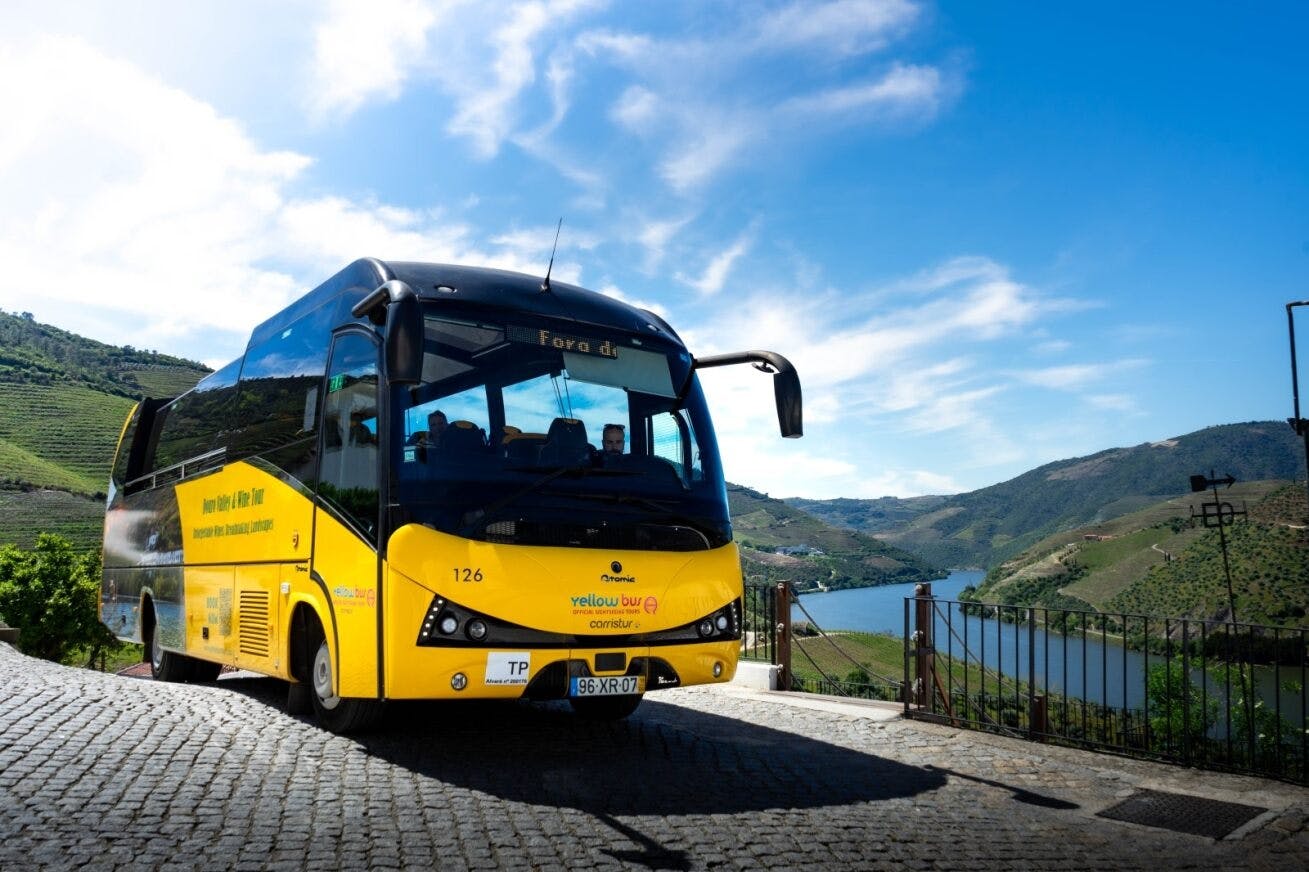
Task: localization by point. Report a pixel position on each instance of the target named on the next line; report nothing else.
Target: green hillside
(65, 399)
(988, 526)
(828, 557)
(1157, 562)
(868, 516)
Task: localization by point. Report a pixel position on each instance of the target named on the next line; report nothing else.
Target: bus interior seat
(523, 449)
(463, 437)
(565, 443)
(418, 437)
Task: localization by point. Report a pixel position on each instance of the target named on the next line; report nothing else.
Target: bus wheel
(203, 670)
(338, 714)
(605, 708)
(165, 665)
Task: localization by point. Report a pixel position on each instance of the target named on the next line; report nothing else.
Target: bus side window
(672, 438)
(348, 471)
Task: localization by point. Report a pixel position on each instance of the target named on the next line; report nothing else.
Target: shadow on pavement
(663, 760)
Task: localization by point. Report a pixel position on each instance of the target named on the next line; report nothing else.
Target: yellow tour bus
(424, 481)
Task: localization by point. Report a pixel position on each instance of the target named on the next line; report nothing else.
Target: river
(1097, 669)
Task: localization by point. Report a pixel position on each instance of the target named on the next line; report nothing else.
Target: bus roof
(479, 287)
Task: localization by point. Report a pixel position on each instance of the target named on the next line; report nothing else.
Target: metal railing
(1215, 694)
(766, 630)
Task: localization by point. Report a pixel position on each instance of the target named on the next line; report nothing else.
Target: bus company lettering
(355, 595)
(612, 624)
(596, 604)
(623, 579)
(236, 500)
(242, 528)
(595, 601)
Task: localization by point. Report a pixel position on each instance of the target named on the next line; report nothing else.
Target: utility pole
(1221, 515)
(1298, 424)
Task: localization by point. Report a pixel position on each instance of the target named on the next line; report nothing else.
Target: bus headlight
(705, 627)
(476, 629)
(449, 624)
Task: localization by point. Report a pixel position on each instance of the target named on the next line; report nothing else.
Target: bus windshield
(548, 435)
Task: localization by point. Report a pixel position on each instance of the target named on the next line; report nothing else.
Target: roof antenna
(545, 283)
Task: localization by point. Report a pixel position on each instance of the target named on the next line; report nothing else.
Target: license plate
(618, 685)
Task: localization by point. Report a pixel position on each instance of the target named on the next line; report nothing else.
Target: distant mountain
(779, 543)
(65, 398)
(987, 526)
(868, 516)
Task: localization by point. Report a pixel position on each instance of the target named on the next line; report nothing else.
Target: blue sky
(990, 235)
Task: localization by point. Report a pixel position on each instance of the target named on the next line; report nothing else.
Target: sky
(988, 235)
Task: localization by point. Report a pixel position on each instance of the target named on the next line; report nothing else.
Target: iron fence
(1215, 694)
(759, 636)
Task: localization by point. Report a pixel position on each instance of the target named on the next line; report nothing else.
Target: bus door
(346, 515)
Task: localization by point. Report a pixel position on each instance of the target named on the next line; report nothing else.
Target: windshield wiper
(483, 514)
(663, 506)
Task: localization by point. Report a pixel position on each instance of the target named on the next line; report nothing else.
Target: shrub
(51, 593)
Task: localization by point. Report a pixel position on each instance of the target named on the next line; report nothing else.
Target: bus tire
(335, 713)
(604, 708)
(165, 665)
(204, 670)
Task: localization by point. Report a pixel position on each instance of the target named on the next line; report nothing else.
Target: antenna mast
(545, 283)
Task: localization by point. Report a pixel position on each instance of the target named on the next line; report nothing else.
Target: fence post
(783, 659)
(1033, 729)
(1037, 718)
(923, 637)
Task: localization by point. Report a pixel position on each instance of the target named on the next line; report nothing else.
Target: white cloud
(170, 227)
(1074, 376)
(715, 274)
(903, 91)
(655, 236)
(636, 109)
(1114, 402)
(365, 51)
(843, 27)
(706, 104)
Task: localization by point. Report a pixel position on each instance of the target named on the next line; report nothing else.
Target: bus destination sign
(562, 341)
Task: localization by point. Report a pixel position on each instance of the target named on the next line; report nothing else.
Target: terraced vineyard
(23, 515)
(65, 398)
(164, 381)
(59, 436)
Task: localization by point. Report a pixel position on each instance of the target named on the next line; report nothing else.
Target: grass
(125, 654)
(838, 653)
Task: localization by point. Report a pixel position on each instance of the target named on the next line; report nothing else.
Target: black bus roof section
(478, 287)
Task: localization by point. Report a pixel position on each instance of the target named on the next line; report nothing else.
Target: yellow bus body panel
(348, 568)
(555, 590)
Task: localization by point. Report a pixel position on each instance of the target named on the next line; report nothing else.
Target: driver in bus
(611, 439)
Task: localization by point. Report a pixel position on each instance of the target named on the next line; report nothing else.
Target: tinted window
(278, 400)
(198, 421)
(348, 473)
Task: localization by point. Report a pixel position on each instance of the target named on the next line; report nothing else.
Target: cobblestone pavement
(101, 771)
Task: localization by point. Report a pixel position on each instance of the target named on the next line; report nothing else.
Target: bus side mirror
(786, 384)
(396, 305)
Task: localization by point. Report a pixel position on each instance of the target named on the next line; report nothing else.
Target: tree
(1180, 714)
(51, 594)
